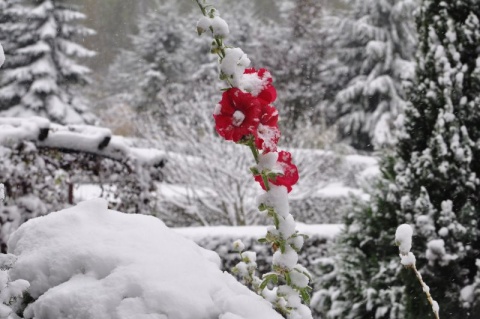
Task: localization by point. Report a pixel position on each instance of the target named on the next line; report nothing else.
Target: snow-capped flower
(268, 134)
(238, 245)
(259, 83)
(237, 115)
(288, 178)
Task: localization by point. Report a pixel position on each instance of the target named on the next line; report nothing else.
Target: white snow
(253, 83)
(83, 138)
(299, 279)
(435, 306)
(238, 118)
(327, 231)
(91, 262)
(238, 245)
(467, 294)
(10, 290)
(268, 161)
(287, 260)
(2, 55)
(403, 238)
(234, 64)
(2, 192)
(287, 226)
(277, 198)
(337, 189)
(408, 259)
(269, 134)
(218, 26)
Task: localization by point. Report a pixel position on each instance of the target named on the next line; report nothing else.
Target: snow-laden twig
(403, 239)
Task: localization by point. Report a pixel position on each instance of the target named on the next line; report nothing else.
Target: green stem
(204, 12)
(253, 149)
(265, 181)
(255, 153)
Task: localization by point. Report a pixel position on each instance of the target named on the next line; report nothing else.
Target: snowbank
(91, 262)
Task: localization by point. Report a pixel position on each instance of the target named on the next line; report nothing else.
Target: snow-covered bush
(43, 163)
(94, 263)
(219, 239)
(11, 292)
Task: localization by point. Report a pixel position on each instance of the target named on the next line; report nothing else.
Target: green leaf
(305, 296)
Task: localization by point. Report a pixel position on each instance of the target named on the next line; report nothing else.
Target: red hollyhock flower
(261, 85)
(268, 134)
(237, 115)
(289, 176)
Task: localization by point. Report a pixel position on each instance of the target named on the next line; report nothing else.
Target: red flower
(237, 115)
(289, 176)
(268, 134)
(261, 85)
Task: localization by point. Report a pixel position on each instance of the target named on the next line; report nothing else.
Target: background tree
(431, 182)
(373, 47)
(294, 49)
(43, 77)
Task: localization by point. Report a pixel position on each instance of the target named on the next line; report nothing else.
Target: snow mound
(90, 262)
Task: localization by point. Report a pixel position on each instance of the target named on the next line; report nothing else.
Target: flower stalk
(245, 115)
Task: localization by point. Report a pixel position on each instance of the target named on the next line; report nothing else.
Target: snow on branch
(76, 138)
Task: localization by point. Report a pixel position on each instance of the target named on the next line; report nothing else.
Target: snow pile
(91, 262)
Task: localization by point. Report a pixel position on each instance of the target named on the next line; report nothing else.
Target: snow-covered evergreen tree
(161, 73)
(373, 50)
(432, 182)
(43, 76)
(295, 51)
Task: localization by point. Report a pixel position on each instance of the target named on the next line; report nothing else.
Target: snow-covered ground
(326, 231)
(88, 262)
